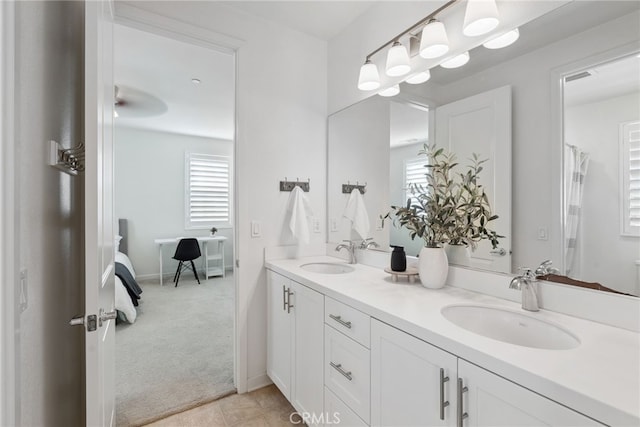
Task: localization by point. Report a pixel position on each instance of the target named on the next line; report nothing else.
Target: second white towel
(300, 209)
(356, 212)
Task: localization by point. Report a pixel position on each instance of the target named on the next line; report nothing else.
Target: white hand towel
(356, 212)
(300, 210)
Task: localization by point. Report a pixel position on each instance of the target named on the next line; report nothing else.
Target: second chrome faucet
(527, 284)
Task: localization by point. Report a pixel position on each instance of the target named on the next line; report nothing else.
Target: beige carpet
(178, 353)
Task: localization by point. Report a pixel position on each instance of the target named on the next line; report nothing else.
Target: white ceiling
(609, 80)
(321, 19)
(153, 74)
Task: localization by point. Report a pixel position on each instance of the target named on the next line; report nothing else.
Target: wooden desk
(208, 257)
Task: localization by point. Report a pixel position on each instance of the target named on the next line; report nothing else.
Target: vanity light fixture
(418, 78)
(503, 40)
(369, 78)
(390, 91)
(397, 60)
(434, 41)
(456, 61)
(195, 81)
(481, 16)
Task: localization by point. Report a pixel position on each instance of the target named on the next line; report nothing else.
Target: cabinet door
(494, 401)
(279, 333)
(405, 380)
(307, 387)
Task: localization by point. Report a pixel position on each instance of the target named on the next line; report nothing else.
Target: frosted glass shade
(456, 61)
(397, 60)
(434, 41)
(480, 17)
(390, 91)
(369, 78)
(418, 78)
(503, 40)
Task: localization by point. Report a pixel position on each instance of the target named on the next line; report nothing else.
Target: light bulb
(369, 78)
(434, 41)
(418, 78)
(503, 40)
(481, 16)
(456, 61)
(390, 91)
(397, 60)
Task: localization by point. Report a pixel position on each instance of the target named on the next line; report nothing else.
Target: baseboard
(258, 382)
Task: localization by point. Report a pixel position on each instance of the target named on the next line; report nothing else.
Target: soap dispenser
(398, 259)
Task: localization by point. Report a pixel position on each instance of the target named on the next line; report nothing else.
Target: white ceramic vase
(433, 267)
(458, 255)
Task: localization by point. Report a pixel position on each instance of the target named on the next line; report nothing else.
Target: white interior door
(481, 124)
(99, 317)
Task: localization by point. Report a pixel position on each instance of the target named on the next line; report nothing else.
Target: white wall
(282, 111)
(359, 153)
(530, 78)
(49, 105)
(606, 256)
(150, 192)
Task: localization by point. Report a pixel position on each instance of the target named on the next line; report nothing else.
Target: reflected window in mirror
(602, 174)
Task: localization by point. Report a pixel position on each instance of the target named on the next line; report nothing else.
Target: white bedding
(123, 300)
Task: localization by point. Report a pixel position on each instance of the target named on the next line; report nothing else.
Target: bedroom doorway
(174, 169)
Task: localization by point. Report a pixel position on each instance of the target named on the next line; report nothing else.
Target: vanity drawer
(347, 371)
(338, 413)
(351, 322)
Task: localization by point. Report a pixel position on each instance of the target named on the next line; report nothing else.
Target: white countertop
(600, 378)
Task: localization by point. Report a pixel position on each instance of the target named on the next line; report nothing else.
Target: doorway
(173, 178)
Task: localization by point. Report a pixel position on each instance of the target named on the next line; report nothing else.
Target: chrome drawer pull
(339, 320)
(338, 368)
(443, 403)
(289, 305)
(284, 298)
(461, 414)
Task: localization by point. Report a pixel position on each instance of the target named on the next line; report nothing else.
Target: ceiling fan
(134, 103)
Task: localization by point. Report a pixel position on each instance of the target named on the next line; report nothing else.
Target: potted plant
(213, 231)
(452, 207)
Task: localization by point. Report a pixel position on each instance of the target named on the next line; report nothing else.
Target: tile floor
(265, 407)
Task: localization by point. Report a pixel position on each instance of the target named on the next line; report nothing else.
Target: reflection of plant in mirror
(446, 209)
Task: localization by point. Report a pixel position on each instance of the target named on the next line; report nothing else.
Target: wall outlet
(334, 225)
(256, 229)
(316, 225)
(543, 233)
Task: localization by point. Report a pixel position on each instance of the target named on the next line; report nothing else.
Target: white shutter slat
(209, 189)
(630, 139)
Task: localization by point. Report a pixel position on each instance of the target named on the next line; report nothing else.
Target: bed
(127, 290)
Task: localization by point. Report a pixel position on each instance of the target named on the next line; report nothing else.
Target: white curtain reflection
(575, 168)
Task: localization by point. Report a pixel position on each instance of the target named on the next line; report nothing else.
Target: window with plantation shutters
(208, 190)
(414, 173)
(630, 167)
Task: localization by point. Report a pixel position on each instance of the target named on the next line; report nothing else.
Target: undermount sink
(510, 327)
(327, 267)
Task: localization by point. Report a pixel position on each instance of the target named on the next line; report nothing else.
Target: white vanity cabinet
(295, 342)
(416, 384)
(490, 400)
(412, 383)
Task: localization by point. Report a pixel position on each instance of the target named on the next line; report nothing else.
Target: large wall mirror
(374, 141)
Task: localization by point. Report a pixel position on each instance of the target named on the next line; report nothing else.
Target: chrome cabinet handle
(338, 367)
(339, 320)
(461, 414)
(443, 403)
(289, 305)
(284, 298)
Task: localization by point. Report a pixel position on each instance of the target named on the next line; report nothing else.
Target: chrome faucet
(544, 269)
(368, 243)
(527, 283)
(350, 246)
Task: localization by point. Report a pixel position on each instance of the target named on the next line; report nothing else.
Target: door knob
(499, 252)
(107, 315)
